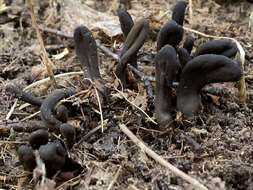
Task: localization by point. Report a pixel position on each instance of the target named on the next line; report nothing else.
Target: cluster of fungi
(212, 62)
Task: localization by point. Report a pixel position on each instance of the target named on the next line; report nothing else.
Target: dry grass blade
(242, 91)
(45, 57)
(196, 184)
(148, 117)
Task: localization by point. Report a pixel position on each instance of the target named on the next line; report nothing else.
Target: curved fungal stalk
(167, 67)
(171, 33)
(200, 71)
(26, 157)
(48, 106)
(178, 12)
(69, 134)
(219, 47)
(133, 43)
(189, 43)
(38, 138)
(184, 56)
(86, 51)
(22, 95)
(126, 22)
(54, 155)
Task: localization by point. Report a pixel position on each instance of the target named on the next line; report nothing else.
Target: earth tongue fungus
(171, 33)
(53, 155)
(167, 67)
(220, 47)
(200, 71)
(178, 12)
(86, 51)
(134, 41)
(38, 138)
(26, 157)
(126, 22)
(47, 109)
(189, 43)
(69, 134)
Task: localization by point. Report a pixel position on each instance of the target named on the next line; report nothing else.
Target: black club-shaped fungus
(171, 33)
(200, 71)
(133, 43)
(26, 157)
(167, 67)
(48, 106)
(219, 47)
(126, 22)
(69, 134)
(178, 12)
(86, 51)
(38, 138)
(53, 155)
(189, 43)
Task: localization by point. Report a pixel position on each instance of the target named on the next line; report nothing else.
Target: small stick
(114, 178)
(160, 160)
(190, 13)
(100, 108)
(45, 57)
(39, 82)
(122, 94)
(8, 116)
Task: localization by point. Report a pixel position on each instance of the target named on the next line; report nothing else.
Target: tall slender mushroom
(184, 56)
(178, 12)
(171, 33)
(219, 47)
(200, 71)
(133, 43)
(126, 22)
(167, 67)
(189, 43)
(86, 51)
(48, 106)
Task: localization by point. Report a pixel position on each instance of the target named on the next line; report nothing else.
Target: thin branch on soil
(242, 91)
(45, 57)
(190, 13)
(114, 178)
(42, 81)
(148, 117)
(8, 116)
(100, 108)
(160, 160)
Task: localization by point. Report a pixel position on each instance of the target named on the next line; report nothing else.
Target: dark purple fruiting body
(133, 43)
(22, 95)
(200, 71)
(171, 33)
(86, 51)
(126, 22)
(189, 43)
(167, 67)
(219, 47)
(62, 113)
(184, 56)
(178, 12)
(53, 155)
(69, 134)
(26, 157)
(49, 104)
(38, 138)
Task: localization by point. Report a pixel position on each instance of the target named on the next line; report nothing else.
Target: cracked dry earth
(223, 129)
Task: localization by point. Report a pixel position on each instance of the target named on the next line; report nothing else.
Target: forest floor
(110, 160)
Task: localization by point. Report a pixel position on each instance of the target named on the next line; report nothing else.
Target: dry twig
(160, 160)
(45, 58)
